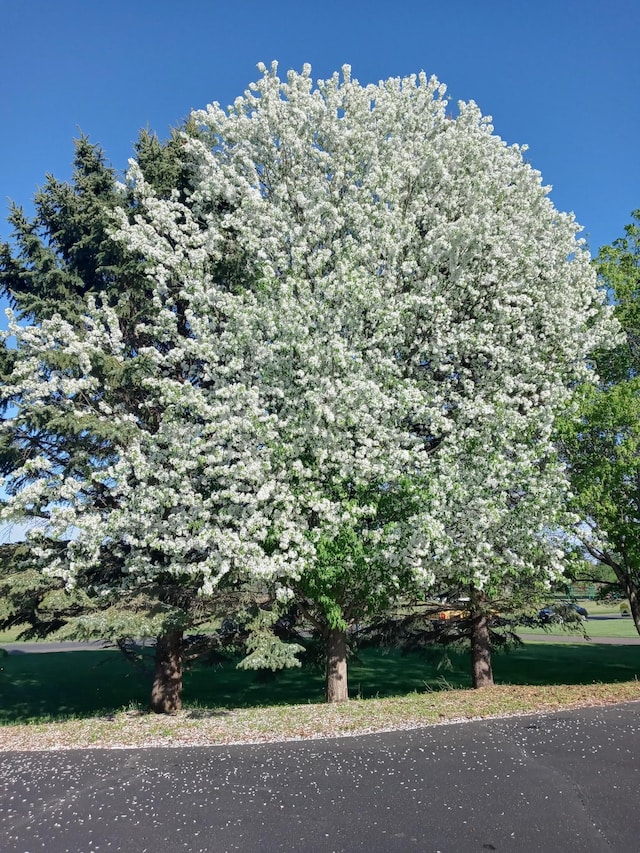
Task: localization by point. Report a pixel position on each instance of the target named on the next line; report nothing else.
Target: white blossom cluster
(406, 315)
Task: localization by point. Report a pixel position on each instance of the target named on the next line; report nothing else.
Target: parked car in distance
(625, 608)
(557, 612)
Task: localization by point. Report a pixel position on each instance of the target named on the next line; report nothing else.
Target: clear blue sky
(560, 75)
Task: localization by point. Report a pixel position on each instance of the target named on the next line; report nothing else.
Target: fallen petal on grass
(210, 727)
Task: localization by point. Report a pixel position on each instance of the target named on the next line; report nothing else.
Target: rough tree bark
(633, 594)
(337, 689)
(166, 693)
(481, 670)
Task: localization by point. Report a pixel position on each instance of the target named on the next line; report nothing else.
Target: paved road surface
(72, 646)
(63, 646)
(557, 783)
(578, 638)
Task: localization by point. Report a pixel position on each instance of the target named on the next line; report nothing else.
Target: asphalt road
(560, 783)
(55, 646)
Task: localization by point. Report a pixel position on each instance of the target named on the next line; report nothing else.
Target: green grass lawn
(604, 621)
(614, 626)
(11, 634)
(38, 687)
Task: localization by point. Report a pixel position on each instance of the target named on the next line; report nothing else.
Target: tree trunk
(166, 693)
(627, 578)
(481, 651)
(633, 594)
(336, 682)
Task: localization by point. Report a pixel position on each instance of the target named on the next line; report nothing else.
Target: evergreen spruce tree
(58, 262)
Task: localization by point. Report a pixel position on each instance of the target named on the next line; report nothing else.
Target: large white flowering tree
(368, 314)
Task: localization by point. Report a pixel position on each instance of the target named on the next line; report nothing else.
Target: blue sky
(561, 76)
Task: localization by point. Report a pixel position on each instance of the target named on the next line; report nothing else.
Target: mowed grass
(12, 635)
(596, 626)
(56, 686)
(604, 621)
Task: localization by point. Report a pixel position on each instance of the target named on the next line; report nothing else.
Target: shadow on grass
(40, 687)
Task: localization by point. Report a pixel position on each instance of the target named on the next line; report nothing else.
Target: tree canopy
(365, 316)
(602, 443)
(58, 263)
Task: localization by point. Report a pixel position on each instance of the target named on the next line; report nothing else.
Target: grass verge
(194, 727)
(80, 699)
